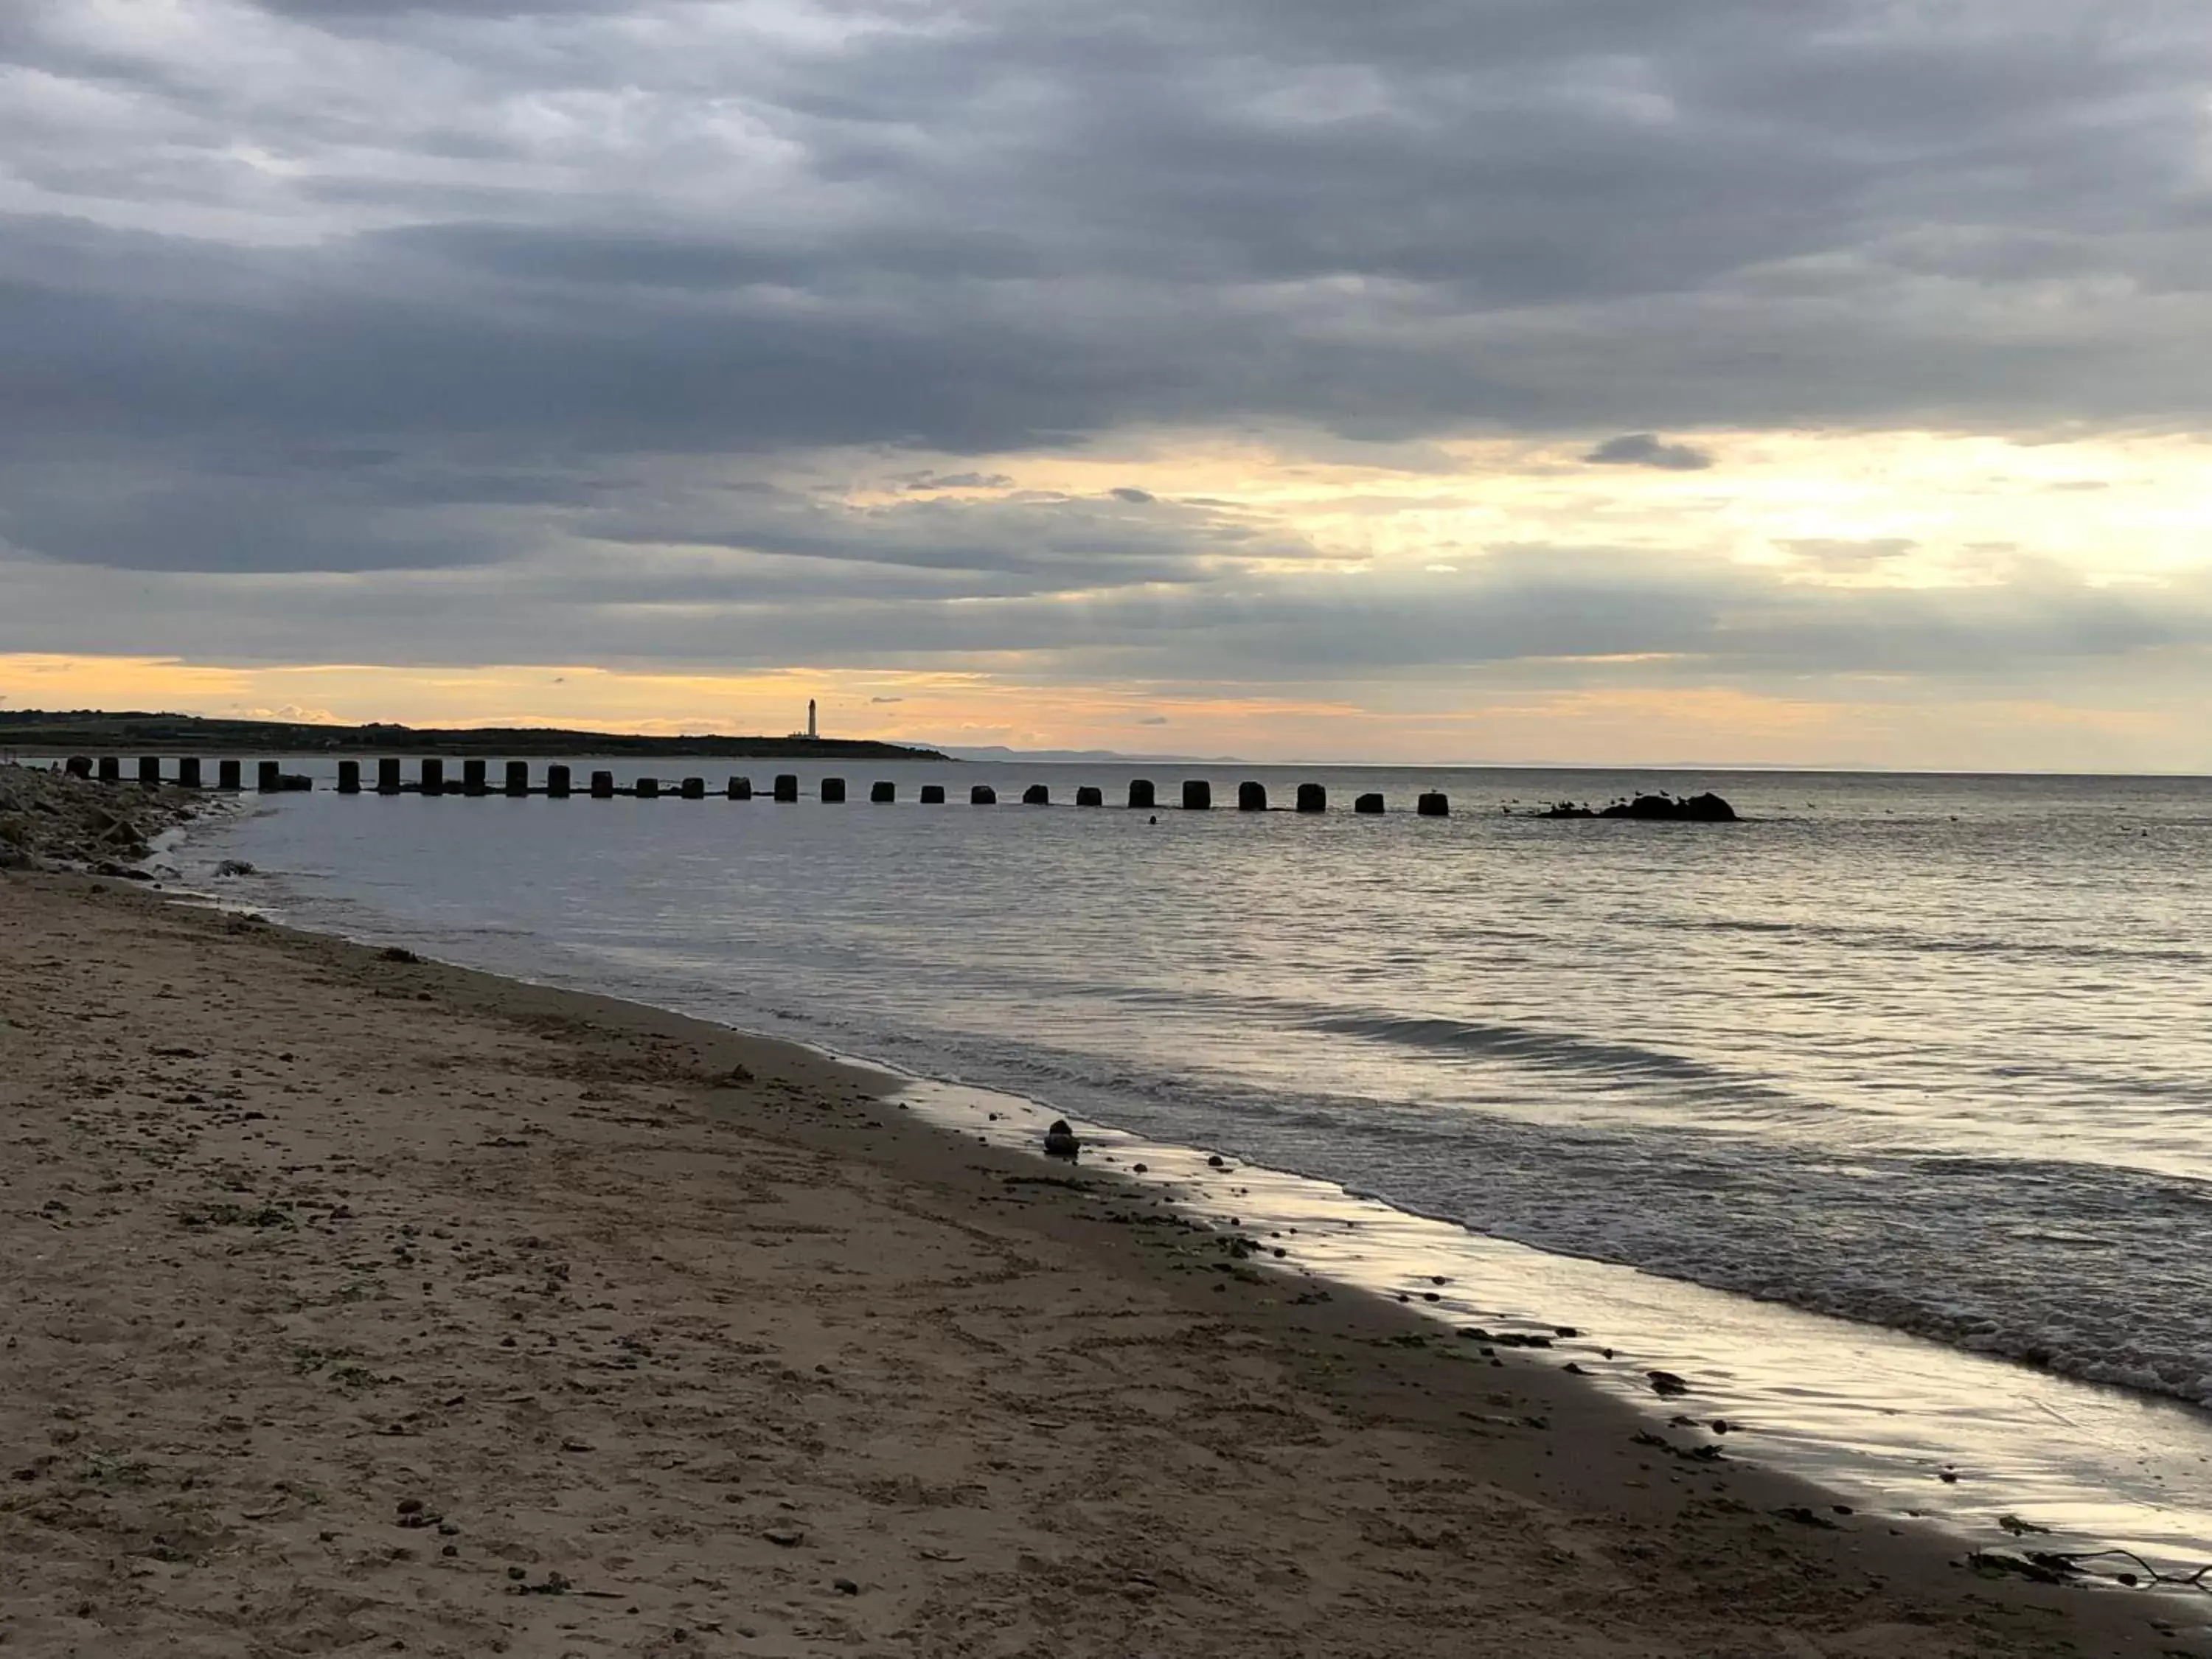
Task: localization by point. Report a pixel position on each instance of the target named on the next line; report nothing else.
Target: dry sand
(356, 1305)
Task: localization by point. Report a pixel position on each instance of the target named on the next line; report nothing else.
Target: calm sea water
(1932, 1054)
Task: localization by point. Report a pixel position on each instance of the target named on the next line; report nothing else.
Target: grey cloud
(886, 699)
(1645, 449)
(508, 299)
(242, 506)
(928, 481)
(1835, 554)
(1042, 542)
(1467, 216)
(388, 11)
(1601, 613)
(1153, 720)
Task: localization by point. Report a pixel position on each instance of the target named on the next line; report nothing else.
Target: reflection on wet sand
(1892, 1423)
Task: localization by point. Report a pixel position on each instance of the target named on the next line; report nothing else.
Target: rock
(1805, 1518)
(788, 1538)
(1706, 808)
(1060, 1141)
(2041, 1567)
(1667, 1385)
(844, 1587)
(234, 867)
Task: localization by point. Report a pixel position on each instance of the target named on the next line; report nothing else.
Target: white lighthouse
(809, 720)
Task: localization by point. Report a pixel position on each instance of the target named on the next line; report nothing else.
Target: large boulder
(1706, 808)
(1644, 806)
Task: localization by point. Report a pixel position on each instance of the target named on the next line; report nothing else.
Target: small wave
(1528, 1044)
(1901, 938)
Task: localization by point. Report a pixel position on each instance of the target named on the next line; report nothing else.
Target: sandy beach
(360, 1304)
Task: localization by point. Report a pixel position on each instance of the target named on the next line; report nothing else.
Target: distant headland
(30, 728)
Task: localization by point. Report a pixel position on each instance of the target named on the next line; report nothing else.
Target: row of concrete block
(269, 775)
(474, 781)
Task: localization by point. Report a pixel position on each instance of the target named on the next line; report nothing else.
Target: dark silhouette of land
(91, 729)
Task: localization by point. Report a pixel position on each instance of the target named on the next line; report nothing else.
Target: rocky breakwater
(50, 820)
(1684, 809)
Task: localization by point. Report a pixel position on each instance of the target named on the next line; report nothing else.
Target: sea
(1883, 1116)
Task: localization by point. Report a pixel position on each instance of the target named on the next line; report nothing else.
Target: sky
(1673, 381)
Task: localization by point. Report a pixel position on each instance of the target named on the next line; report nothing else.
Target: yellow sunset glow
(1389, 724)
(2104, 507)
(1906, 512)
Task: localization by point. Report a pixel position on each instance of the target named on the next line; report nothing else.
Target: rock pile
(1693, 809)
(50, 820)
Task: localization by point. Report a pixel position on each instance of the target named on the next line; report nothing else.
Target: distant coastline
(996, 754)
(56, 731)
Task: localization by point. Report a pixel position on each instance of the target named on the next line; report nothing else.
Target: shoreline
(1660, 1528)
(2027, 1459)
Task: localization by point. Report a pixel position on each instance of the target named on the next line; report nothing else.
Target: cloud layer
(1645, 449)
(735, 332)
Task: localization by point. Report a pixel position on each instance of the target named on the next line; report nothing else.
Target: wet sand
(370, 1305)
